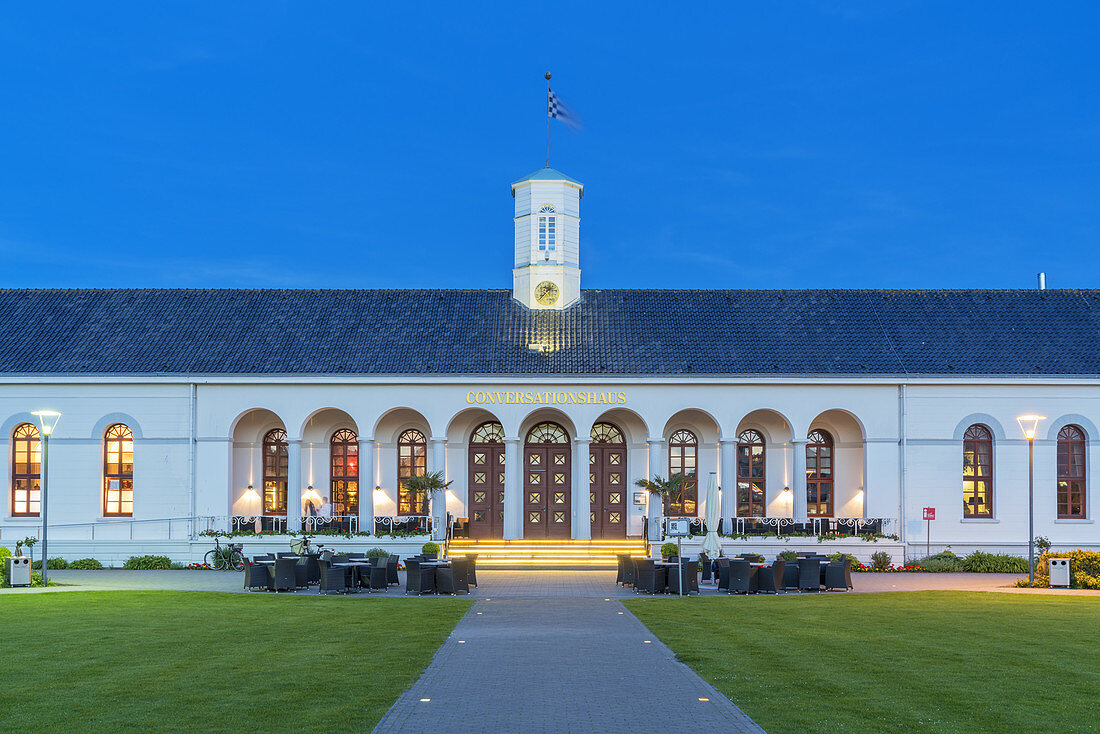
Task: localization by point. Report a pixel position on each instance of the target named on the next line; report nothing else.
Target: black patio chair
(740, 577)
(283, 575)
(313, 568)
(256, 576)
(809, 574)
(650, 578)
(417, 579)
(630, 571)
(301, 574)
(790, 575)
(332, 578)
(723, 574)
(357, 556)
(770, 578)
(688, 576)
(285, 555)
(471, 575)
(704, 565)
(620, 564)
(452, 579)
(391, 570)
(373, 577)
(838, 575)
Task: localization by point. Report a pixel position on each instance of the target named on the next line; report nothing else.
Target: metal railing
(787, 526)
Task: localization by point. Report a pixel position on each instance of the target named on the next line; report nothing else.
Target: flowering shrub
(1084, 569)
(197, 567)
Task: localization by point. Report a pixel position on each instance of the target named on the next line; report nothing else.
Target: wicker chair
(723, 574)
(283, 575)
(452, 579)
(809, 574)
(650, 578)
(740, 577)
(705, 567)
(629, 572)
(838, 575)
(689, 577)
(357, 556)
(619, 566)
(417, 579)
(331, 579)
(471, 575)
(770, 578)
(313, 568)
(391, 570)
(373, 577)
(256, 576)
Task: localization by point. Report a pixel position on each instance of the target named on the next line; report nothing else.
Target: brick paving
(558, 664)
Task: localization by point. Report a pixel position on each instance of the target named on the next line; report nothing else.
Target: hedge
(148, 563)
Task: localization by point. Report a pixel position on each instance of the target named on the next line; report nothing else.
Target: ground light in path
(184, 661)
(936, 661)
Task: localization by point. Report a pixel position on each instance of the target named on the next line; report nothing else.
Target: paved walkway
(558, 665)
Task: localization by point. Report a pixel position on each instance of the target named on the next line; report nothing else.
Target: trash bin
(19, 570)
(1059, 572)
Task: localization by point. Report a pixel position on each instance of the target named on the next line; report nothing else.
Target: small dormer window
(548, 230)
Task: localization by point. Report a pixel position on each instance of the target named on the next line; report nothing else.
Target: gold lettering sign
(506, 397)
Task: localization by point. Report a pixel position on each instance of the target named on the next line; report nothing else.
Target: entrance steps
(547, 553)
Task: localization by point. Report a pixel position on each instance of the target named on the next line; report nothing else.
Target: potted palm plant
(423, 488)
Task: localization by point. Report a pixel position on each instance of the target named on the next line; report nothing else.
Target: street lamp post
(47, 421)
(1029, 424)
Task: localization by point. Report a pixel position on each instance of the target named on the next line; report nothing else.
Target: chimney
(1042, 281)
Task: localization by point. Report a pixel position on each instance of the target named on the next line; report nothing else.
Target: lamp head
(1029, 424)
(47, 420)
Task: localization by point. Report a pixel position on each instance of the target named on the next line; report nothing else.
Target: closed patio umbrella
(710, 543)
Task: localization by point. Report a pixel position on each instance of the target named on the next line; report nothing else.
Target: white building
(187, 410)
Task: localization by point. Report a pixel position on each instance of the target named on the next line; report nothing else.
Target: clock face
(546, 293)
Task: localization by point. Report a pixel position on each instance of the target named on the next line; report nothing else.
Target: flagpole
(547, 119)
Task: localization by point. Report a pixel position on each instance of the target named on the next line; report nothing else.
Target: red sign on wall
(929, 513)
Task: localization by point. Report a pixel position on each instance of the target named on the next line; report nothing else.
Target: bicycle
(225, 557)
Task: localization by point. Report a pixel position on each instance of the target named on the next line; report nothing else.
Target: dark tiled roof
(1053, 332)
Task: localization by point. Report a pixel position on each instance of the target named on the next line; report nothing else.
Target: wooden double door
(547, 499)
(486, 482)
(607, 481)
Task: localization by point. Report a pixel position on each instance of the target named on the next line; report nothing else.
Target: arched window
(491, 432)
(606, 433)
(683, 449)
(1071, 473)
(412, 460)
(275, 472)
(26, 468)
(750, 475)
(547, 433)
(344, 473)
(977, 472)
(548, 230)
(819, 474)
(118, 472)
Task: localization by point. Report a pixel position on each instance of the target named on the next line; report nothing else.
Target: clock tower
(547, 270)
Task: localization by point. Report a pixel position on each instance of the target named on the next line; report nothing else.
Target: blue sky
(764, 145)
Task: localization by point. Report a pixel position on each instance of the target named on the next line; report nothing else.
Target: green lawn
(936, 661)
(205, 662)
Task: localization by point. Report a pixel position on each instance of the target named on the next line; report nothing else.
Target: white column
(582, 508)
(294, 484)
(366, 485)
(657, 465)
(439, 501)
(513, 490)
(727, 450)
(798, 480)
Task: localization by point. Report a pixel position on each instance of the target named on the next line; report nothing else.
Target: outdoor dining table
(271, 561)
